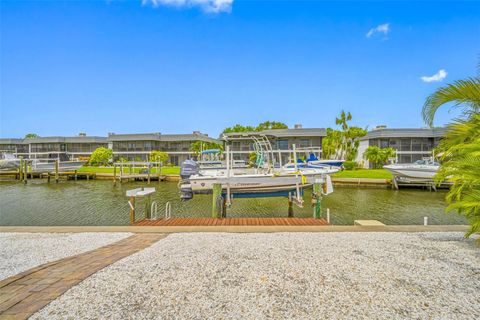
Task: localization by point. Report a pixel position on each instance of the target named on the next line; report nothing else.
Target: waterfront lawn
(364, 173)
(89, 169)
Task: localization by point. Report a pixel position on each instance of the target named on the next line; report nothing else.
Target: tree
(197, 146)
(460, 148)
(378, 156)
(270, 125)
(31, 135)
(158, 156)
(239, 128)
(267, 125)
(101, 157)
(252, 158)
(331, 143)
(344, 143)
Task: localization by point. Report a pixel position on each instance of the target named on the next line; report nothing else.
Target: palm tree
(460, 147)
(374, 155)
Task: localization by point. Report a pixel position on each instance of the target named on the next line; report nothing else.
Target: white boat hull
(413, 172)
(9, 164)
(255, 182)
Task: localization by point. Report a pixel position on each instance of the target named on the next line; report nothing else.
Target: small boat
(313, 160)
(9, 161)
(419, 170)
(64, 164)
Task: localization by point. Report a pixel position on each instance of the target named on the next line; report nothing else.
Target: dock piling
(317, 199)
(217, 193)
(20, 170)
(290, 205)
(56, 171)
(328, 215)
(25, 169)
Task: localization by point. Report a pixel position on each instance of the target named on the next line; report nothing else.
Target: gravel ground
(22, 251)
(285, 275)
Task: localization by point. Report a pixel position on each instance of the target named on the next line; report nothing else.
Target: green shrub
(349, 165)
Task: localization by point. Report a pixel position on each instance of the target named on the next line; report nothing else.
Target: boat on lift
(9, 161)
(423, 170)
(264, 178)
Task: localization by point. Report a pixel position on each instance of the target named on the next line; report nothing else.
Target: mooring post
(25, 169)
(224, 208)
(131, 202)
(425, 221)
(48, 177)
(148, 208)
(290, 205)
(56, 171)
(317, 197)
(20, 170)
(148, 173)
(217, 192)
(114, 174)
(159, 171)
(75, 175)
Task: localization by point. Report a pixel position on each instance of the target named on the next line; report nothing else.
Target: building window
(282, 144)
(405, 145)
(384, 143)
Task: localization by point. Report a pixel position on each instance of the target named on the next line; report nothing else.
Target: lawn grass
(89, 169)
(359, 173)
(364, 173)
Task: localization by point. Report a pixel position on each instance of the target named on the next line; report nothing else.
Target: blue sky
(174, 66)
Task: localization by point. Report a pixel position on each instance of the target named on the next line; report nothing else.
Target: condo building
(127, 146)
(410, 144)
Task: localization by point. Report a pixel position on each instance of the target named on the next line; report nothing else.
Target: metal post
(217, 192)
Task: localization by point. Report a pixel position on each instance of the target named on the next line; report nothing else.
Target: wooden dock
(174, 222)
(65, 175)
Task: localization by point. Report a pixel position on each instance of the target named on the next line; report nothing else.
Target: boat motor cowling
(188, 168)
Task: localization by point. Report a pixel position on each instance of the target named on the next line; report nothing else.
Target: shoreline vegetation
(357, 173)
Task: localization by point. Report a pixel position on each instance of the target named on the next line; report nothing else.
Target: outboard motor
(187, 169)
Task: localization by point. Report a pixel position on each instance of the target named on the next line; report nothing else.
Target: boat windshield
(426, 162)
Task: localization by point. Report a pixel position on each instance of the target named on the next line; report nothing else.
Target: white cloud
(383, 28)
(209, 6)
(439, 76)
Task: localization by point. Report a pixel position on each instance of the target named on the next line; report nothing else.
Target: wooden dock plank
(204, 221)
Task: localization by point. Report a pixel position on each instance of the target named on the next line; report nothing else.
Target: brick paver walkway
(25, 293)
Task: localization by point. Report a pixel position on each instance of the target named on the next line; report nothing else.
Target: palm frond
(464, 93)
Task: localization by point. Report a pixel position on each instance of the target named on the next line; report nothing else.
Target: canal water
(100, 203)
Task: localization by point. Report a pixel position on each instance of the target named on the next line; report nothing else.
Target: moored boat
(419, 170)
(9, 161)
